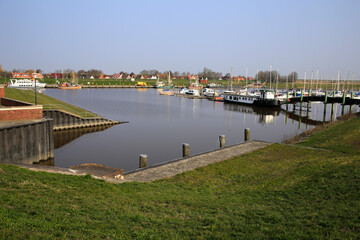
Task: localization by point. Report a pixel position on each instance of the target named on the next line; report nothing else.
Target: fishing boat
(25, 83)
(66, 85)
(266, 99)
(72, 85)
(160, 84)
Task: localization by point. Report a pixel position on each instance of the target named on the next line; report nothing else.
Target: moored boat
(25, 83)
(266, 99)
(66, 85)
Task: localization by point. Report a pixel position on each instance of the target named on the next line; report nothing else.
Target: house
(152, 77)
(193, 77)
(38, 75)
(238, 78)
(20, 75)
(56, 75)
(104, 77)
(117, 76)
(140, 77)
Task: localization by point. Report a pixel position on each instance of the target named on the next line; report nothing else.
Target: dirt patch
(99, 170)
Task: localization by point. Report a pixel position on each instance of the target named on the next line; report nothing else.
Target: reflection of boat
(25, 83)
(66, 85)
(265, 99)
(266, 114)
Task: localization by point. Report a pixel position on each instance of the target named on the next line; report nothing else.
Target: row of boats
(258, 97)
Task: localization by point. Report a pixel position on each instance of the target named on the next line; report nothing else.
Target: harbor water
(159, 125)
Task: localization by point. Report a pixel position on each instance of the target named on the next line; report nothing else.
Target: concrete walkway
(172, 168)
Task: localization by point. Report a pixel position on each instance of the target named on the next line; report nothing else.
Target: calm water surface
(158, 125)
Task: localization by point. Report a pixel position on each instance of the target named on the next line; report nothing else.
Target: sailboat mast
(246, 77)
(304, 80)
(270, 75)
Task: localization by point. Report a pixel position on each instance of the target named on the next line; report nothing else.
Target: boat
(193, 92)
(167, 92)
(183, 91)
(72, 85)
(160, 84)
(66, 85)
(25, 83)
(208, 92)
(266, 99)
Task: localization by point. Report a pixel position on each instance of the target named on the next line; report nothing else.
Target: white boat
(266, 99)
(208, 92)
(25, 83)
(193, 92)
(183, 90)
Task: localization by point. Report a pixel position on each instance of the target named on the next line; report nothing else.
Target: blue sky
(115, 35)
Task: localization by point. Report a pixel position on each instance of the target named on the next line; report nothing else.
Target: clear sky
(182, 35)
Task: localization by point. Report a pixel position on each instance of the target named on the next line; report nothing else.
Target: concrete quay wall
(64, 120)
(27, 142)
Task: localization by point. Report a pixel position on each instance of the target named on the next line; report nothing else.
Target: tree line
(207, 73)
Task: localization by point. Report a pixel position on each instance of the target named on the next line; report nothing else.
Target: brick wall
(2, 92)
(21, 113)
(10, 102)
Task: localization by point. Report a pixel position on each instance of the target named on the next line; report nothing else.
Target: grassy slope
(277, 192)
(47, 101)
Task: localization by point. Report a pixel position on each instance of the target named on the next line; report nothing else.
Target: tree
(30, 71)
(1, 70)
(38, 71)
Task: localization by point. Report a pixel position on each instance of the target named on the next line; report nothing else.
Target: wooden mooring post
(222, 141)
(185, 149)
(143, 161)
(247, 134)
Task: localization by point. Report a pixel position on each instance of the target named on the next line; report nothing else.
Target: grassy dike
(45, 100)
(279, 192)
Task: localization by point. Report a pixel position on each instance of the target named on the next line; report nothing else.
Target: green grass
(279, 192)
(47, 101)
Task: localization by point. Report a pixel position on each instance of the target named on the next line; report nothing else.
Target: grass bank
(47, 101)
(279, 192)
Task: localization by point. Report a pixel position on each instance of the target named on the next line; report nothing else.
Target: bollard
(326, 96)
(247, 134)
(301, 96)
(185, 149)
(222, 141)
(344, 98)
(143, 161)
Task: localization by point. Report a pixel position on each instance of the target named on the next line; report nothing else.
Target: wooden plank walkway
(172, 168)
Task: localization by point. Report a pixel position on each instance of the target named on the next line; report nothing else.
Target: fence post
(222, 141)
(143, 161)
(247, 134)
(185, 149)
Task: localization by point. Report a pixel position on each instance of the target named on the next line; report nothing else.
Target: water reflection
(64, 137)
(266, 115)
